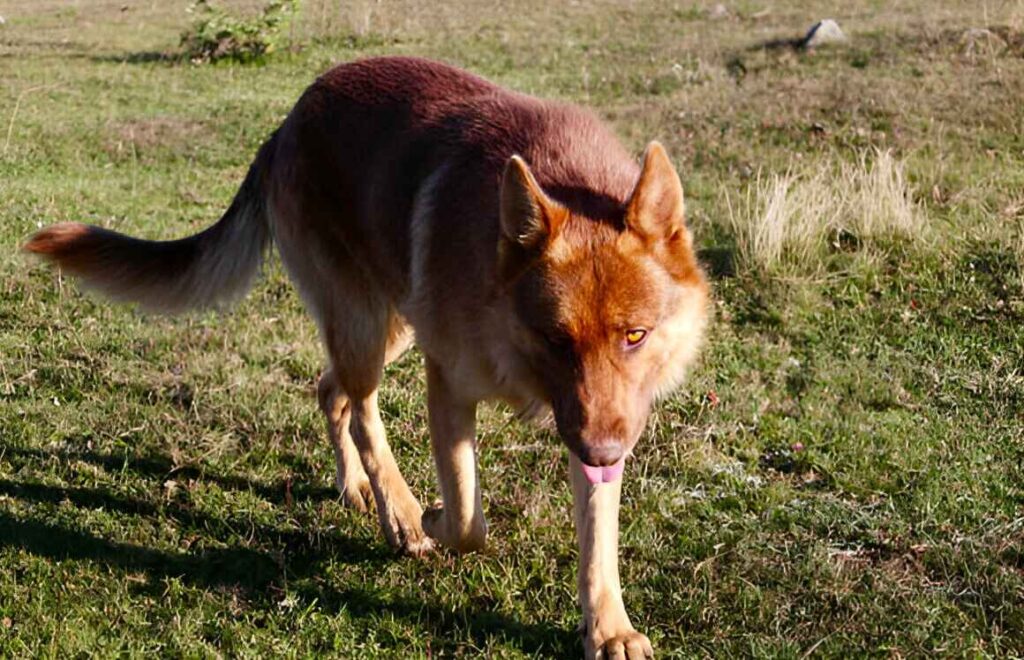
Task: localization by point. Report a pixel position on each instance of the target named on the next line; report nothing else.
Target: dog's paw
(438, 527)
(413, 546)
(630, 645)
(402, 528)
(356, 493)
(408, 540)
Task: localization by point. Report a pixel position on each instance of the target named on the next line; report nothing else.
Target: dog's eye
(635, 337)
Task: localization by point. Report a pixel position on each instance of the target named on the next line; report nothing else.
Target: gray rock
(979, 41)
(824, 33)
(718, 12)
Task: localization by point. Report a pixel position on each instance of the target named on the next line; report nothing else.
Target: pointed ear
(528, 216)
(655, 208)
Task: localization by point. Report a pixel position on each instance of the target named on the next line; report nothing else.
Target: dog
(527, 253)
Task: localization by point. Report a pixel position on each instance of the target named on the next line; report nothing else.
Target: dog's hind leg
(361, 333)
(459, 523)
(400, 513)
(350, 477)
(360, 337)
(607, 631)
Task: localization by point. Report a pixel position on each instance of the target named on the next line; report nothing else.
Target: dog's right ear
(528, 215)
(529, 218)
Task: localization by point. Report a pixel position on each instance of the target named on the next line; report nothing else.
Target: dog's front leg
(607, 631)
(459, 523)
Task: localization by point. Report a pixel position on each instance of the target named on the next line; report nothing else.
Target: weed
(219, 35)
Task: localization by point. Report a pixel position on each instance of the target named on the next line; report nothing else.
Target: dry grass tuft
(788, 224)
(882, 202)
(1020, 252)
(781, 221)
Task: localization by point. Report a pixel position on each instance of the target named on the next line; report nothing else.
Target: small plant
(218, 35)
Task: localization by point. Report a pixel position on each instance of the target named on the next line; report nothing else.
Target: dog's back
(367, 136)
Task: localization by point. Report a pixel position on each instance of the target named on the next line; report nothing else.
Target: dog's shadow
(259, 571)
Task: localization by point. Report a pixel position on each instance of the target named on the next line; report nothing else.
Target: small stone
(824, 33)
(718, 12)
(980, 41)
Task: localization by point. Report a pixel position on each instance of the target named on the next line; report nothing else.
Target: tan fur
(460, 522)
(514, 238)
(350, 477)
(607, 631)
(215, 266)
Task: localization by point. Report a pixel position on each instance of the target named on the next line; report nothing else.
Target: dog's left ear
(655, 209)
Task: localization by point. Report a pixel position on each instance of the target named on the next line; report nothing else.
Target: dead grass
(879, 203)
(789, 223)
(1020, 251)
(154, 133)
(781, 221)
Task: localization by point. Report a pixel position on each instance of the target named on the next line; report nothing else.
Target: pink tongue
(604, 475)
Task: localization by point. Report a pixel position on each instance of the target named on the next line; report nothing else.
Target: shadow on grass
(141, 57)
(210, 568)
(295, 544)
(80, 50)
(718, 261)
(162, 468)
(448, 627)
(257, 571)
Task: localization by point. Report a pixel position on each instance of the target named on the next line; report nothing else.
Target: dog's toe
(403, 530)
(627, 646)
(357, 495)
(418, 547)
(412, 541)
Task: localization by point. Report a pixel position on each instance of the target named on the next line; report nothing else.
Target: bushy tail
(214, 266)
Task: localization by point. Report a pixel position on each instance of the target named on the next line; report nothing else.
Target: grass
(787, 223)
(842, 476)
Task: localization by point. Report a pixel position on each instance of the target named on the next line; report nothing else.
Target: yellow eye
(635, 336)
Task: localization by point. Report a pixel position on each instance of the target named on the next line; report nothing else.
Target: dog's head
(608, 314)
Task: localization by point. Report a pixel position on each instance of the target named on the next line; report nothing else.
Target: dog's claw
(403, 530)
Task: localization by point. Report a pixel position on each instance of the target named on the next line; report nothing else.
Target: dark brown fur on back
(413, 115)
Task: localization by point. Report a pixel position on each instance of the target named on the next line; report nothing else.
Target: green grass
(853, 487)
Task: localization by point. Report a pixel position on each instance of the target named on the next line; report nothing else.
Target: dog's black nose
(601, 455)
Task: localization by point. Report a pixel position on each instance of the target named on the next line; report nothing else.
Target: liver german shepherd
(515, 238)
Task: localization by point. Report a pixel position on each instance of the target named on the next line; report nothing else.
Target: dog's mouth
(605, 474)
